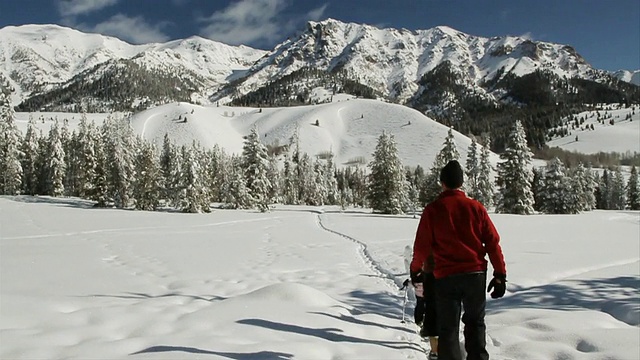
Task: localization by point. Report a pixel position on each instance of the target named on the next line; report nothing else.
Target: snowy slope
(348, 128)
(623, 136)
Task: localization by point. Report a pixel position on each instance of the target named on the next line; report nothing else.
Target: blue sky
(605, 32)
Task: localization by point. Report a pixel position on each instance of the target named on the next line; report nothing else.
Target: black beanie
(451, 175)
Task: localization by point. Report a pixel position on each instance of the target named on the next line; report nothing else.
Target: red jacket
(458, 232)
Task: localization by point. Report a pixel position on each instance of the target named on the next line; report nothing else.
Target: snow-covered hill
(348, 127)
(618, 130)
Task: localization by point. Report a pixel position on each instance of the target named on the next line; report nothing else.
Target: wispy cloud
(68, 8)
(135, 30)
(254, 22)
(527, 36)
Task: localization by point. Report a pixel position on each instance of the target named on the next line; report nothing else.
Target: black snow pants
(454, 294)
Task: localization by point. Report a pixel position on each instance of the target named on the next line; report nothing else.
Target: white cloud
(253, 21)
(316, 14)
(132, 29)
(527, 36)
(79, 7)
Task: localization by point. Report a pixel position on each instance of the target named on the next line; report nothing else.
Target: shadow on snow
(617, 296)
(262, 355)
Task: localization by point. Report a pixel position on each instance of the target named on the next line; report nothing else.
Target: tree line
(113, 167)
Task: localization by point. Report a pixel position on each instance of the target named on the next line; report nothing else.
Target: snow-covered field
(294, 283)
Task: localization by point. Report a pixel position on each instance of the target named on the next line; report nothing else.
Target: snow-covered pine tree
(70, 158)
(486, 190)
(193, 197)
(234, 190)
(515, 175)
(331, 181)
(146, 187)
(10, 154)
(56, 166)
(431, 187)
(472, 165)
(273, 174)
(537, 188)
(99, 189)
(584, 186)
(289, 188)
(558, 196)
(86, 157)
(119, 149)
(214, 172)
(29, 160)
(618, 194)
(318, 189)
(633, 190)
(255, 164)
(306, 180)
(603, 190)
(386, 185)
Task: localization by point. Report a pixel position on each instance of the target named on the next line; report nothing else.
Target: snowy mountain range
(57, 67)
(628, 76)
(41, 58)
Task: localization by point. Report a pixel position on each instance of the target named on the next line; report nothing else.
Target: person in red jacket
(458, 233)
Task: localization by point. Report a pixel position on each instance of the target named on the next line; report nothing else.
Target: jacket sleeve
(422, 243)
(492, 245)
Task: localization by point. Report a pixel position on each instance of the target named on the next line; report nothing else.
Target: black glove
(416, 277)
(498, 284)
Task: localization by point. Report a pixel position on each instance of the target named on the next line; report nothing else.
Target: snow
(296, 282)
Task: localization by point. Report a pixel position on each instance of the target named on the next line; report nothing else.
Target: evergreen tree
(99, 190)
(515, 175)
(86, 157)
(168, 169)
(289, 188)
(56, 166)
(10, 154)
(30, 158)
(387, 187)
(256, 164)
(234, 190)
(331, 182)
(603, 191)
(537, 188)
(618, 194)
(120, 147)
(146, 188)
(485, 191)
(584, 186)
(318, 188)
(558, 195)
(193, 195)
(431, 187)
(633, 190)
(472, 165)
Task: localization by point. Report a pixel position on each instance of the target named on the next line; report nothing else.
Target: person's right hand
(416, 277)
(499, 286)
